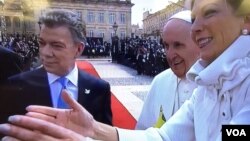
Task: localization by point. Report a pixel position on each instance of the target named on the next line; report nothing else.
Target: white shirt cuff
(131, 135)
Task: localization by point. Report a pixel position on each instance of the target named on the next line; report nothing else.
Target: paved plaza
(131, 89)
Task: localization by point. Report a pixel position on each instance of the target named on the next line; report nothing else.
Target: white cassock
(167, 91)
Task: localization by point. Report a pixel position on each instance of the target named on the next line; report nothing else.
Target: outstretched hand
(51, 124)
(77, 118)
(33, 129)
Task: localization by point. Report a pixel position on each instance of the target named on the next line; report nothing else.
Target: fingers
(54, 132)
(22, 124)
(44, 110)
(53, 111)
(42, 116)
(71, 101)
(15, 133)
(7, 138)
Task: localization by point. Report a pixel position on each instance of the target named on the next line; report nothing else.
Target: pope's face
(181, 52)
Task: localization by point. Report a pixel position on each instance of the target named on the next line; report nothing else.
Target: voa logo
(236, 132)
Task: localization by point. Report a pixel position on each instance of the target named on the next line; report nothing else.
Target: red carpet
(121, 116)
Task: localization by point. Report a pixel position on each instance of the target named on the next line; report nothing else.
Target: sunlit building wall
(153, 22)
(98, 15)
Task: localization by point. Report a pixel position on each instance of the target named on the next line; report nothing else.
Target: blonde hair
(244, 8)
(235, 4)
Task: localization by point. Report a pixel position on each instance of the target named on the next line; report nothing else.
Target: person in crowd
(140, 58)
(170, 89)
(10, 64)
(115, 48)
(221, 97)
(60, 43)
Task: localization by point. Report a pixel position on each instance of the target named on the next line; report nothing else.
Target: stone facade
(98, 15)
(153, 23)
(11, 16)
(136, 30)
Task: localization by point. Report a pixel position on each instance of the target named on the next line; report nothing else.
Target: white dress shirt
(55, 86)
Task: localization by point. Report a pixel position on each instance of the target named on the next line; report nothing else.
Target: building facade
(153, 23)
(11, 16)
(136, 30)
(98, 15)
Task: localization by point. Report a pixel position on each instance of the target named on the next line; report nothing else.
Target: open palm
(77, 118)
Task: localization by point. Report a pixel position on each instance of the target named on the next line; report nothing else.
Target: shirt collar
(72, 76)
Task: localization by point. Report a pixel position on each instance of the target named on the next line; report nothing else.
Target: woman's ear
(247, 22)
(246, 26)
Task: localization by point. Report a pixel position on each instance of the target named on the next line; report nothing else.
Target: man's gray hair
(70, 19)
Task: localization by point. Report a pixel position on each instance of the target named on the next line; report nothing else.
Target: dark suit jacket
(10, 63)
(32, 88)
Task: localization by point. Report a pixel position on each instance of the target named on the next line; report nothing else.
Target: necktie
(60, 103)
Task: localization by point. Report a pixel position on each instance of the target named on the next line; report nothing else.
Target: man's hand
(32, 129)
(76, 119)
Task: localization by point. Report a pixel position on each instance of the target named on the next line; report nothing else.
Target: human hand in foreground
(24, 128)
(51, 124)
(76, 119)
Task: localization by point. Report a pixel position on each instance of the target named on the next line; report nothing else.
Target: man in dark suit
(61, 41)
(10, 63)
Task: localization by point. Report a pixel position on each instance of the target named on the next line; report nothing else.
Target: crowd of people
(24, 45)
(145, 55)
(95, 47)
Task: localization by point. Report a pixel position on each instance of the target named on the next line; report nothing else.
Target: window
(30, 24)
(123, 18)
(112, 34)
(90, 33)
(101, 34)
(112, 18)
(2, 21)
(79, 14)
(101, 17)
(123, 35)
(91, 17)
(16, 22)
(43, 12)
(7, 21)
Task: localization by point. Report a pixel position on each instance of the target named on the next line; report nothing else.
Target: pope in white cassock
(170, 89)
